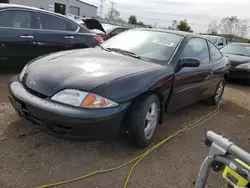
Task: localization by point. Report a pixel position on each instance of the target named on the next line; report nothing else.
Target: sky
(161, 12)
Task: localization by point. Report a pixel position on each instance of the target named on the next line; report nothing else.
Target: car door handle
(69, 37)
(26, 37)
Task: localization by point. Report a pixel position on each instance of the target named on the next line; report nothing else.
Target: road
(29, 157)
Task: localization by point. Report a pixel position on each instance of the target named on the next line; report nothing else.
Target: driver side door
(191, 83)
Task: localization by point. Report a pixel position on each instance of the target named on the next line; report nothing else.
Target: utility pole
(101, 7)
(112, 9)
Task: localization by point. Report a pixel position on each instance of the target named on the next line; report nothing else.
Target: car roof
(112, 26)
(177, 32)
(212, 36)
(241, 43)
(4, 5)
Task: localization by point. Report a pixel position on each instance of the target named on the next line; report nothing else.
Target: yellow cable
(139, 158)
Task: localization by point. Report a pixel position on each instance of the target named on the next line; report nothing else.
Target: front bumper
(242, 74)
(65, 121)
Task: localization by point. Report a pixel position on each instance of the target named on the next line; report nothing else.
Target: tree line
(232, 27)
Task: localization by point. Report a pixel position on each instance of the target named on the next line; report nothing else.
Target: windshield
(152, 45)
(213, 39)
(241, 49)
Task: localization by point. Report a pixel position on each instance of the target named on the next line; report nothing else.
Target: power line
(101, 7)
(112, 9)
(150, 12)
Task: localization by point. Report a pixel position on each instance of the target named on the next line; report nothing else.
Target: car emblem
(32, 83)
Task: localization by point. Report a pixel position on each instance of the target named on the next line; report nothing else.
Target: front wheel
(143, 119)
(215, 99)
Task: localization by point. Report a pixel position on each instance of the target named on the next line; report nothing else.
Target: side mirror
(112, 34)
(220, 44)
(189, 62)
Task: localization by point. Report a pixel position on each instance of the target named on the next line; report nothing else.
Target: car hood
(237, 59)
(80, 69)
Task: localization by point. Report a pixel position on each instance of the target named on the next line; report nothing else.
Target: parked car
(110, 31)
(26, 33)
(90, 23)
(220, 42)
(125, 84)
(239, 54)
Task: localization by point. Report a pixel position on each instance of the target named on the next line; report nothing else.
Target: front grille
(35, 93)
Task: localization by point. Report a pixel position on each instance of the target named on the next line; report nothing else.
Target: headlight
(244, 66)
(23, 72)
(82, 99)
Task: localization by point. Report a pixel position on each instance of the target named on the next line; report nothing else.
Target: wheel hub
(151, 120)
(219, 91)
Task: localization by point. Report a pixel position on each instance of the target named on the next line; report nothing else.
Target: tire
(215, 99)
(143, 120)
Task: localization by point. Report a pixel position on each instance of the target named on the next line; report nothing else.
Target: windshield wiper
(103, 48)
(238, 54)
(124, 52)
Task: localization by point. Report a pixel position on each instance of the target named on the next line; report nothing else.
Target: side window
(49, 22)
(16, 19)
(117, 31)
(72, 27)
(196, 48)
(221, 43)
(214, 52)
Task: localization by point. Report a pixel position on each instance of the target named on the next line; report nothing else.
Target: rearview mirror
(189, 62)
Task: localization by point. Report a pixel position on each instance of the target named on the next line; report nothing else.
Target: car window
(224, 41)
(72, 27)
(221, 41)
(49, 22)
(242, 49)
(16, 19)
(196, 48)
(213, 39)
(118, 30)
(215, 53)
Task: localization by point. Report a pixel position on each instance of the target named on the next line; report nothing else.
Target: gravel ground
(29, 157)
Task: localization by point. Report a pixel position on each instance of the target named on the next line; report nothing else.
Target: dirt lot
(29, 158)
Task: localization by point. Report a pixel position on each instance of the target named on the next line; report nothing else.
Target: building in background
(75, 7)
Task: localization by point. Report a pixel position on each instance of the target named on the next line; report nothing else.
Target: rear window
(108, 28)
(49, 22)
(213, 39)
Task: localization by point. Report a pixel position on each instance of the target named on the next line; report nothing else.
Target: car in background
(124, 85)
(27, 32)
(220, 42)
(239, 54)
(90, 23)
(110, 31)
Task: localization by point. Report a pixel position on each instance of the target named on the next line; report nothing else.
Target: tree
(233, 26)
(173, 26)
(183, 26)
(212, 28)
(242, 30)
(140, 23)
(132, 19)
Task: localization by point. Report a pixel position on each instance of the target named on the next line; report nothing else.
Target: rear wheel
(215, 99)
(143, 119)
